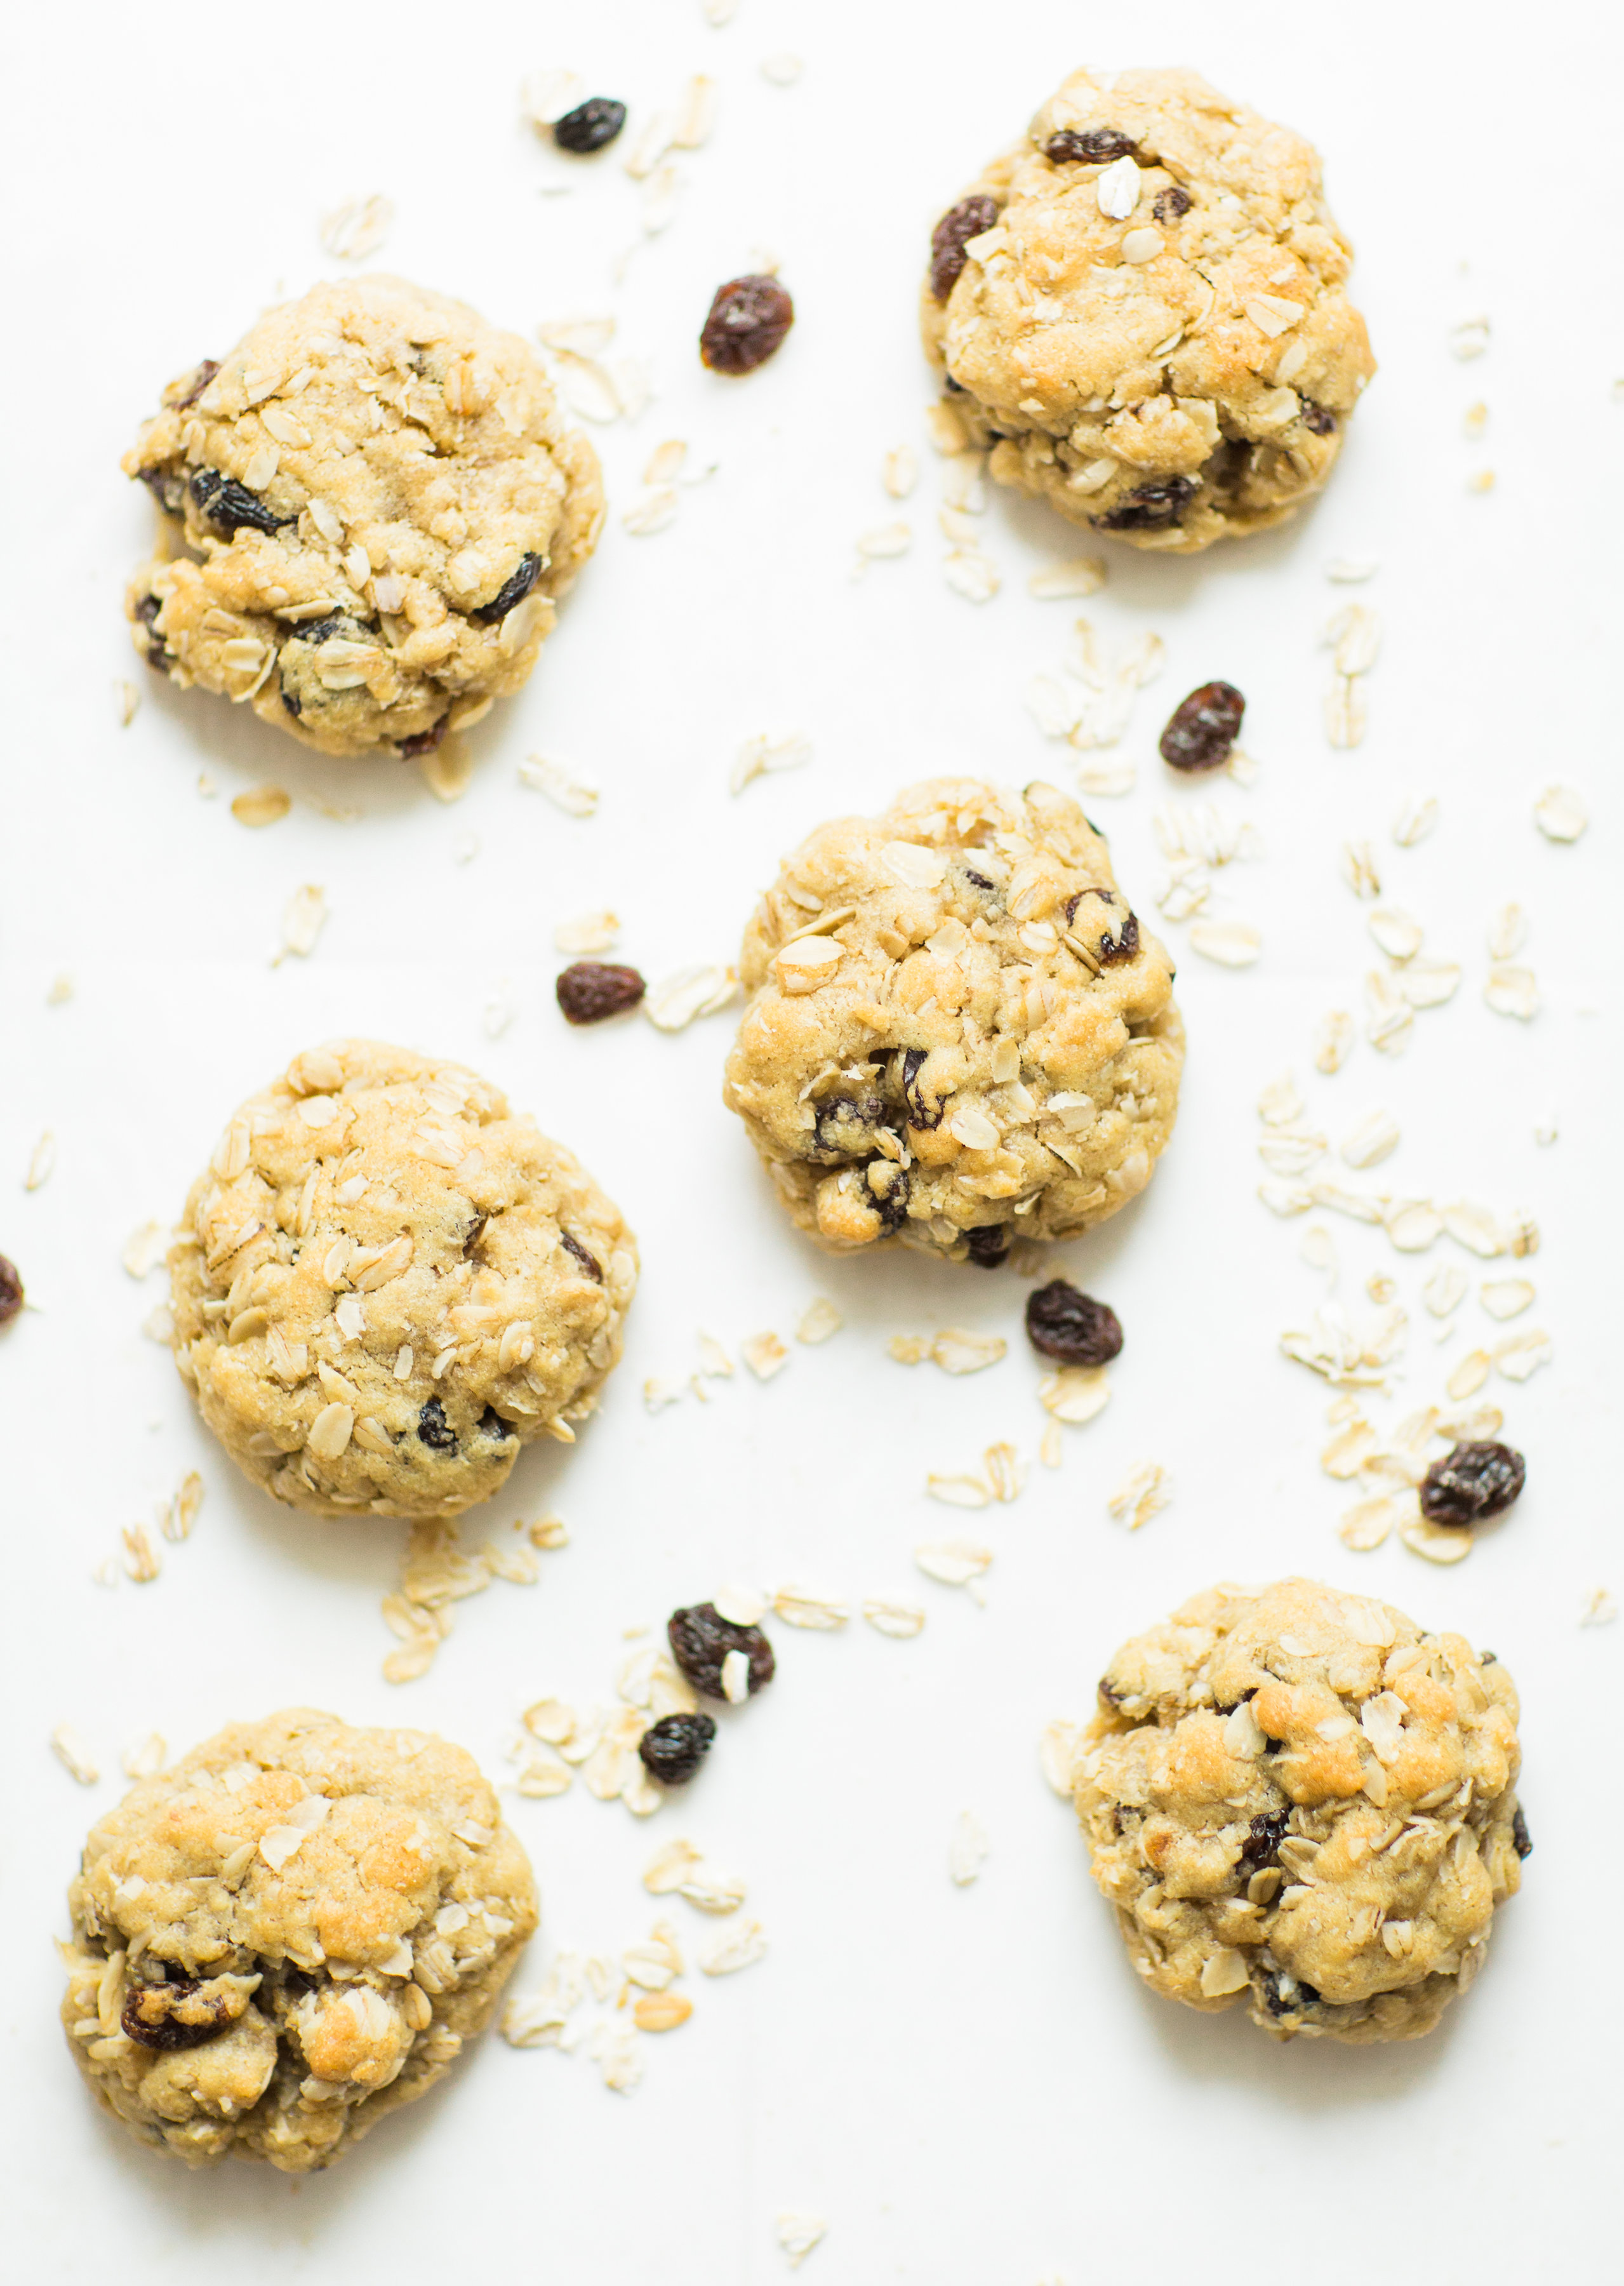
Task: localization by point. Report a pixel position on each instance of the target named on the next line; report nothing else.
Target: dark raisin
(292, 701)
(191, 385)
(229, 506)
(167, 487)
(425, 741)
(512, 590)
(1202, 728)
(1150, 508)
(1519, 1834)
(846, 1128)
(747, 324)
(1488, 1658)
(979, 881)
(1170, 204)
(1317, 417)
(322, 631)
(146, 611)
(476, 1236)
(434, 1431)
(1095, 146)
(1109, 1696)
(887, 1184)
(923, 1111)
(1072, 1327)
(673, 1748)
(591, 126)
(960, 223)
(170, 2017)
(1265, 1835)
(700, 1640)
(589, 990)
(1122, 946)
(988, 1246)
(490, 1424)
(1470, 1483)
(1278, 2001)
(10, 1290)
(589, 1263)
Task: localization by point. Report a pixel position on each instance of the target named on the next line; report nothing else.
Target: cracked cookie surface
(382, 503)
(293, 1932)
(1300, 1798)
(1147, 323)
(958, 1033)
(385, 1282)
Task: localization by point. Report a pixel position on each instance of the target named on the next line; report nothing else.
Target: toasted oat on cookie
(295, 1930)
(378, 504)
(1300, 1798)
(386, 1282)
(1141, 310)
(958, 1032)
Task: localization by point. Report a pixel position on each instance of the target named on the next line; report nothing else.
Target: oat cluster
(1148, 324)
(374, 505)
(958, 1033)
(385, 1282)
(1300, 1798)
(293, 1931)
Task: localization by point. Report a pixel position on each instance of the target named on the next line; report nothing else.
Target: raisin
(490, 1424)
(1072, 1327)
(1261, 1846)
(673, 1748)
(229, 506)
(434, 1431)
(700, 1640)
(146, 611)
(589, 1263)
(321, 631)
(292, 701)
(1318, 418)
(590, 990)
(1109, 1696)
(1096, 146)
(845, 1127)
(1519, 1834)
(1203, 728)
(1111, 945)
(1150, 508)
(512, 590)
(167, 488)
(1170, 204)
(1470, 1483)
(887, 1184)
(980, 881)
(10, 1290)
(591, 126)
(170, 2017)
(988, 1246)
(960, 223)
(191, 385)
(425, 741)
(1278, 2002)
(747, 321)
(922, 1111)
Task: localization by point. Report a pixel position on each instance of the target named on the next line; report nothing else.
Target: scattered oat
(802, 1608)
(900, 471)
(765, 1355)
(127, 703)
(302, 923)
(1397, 933)
(1469, 1375)
(1417, 815)
(1359, 869)
(575, 795)
(737, 1949)
(181, 1513)
(1474, 421)
(967, 1853)
(971, 573)
(358, 228)
(818, 1321)
(902, 1621)
(762, 755)
(1512, 991)
(799, 2233)
(59, 992)
(1075, 1393)
(1389, 1020)
(1372, 1141)
(73, 1751)
(1505, 1297)
(1445, 1290)
(1368, 1522)
(1334, 1036)
(587, 932)
(42, 1162)
(262, 805)
(1233, 944)
(657, 1393)
(1438, 1543)
(1523, 1355)
(447, 771)
(1345, 712)
(145, 1249)
(651, 512)
(1143, 1493)
(1470, 338)
(1280, 1103)
(1600, 1609)
(1080, 575)
(146, 1758)
(1482, 480)
(959, 1492)
(1560, 814)
(1058, 1752)
(680, 1000)
(955, 1563)
(1350, 570)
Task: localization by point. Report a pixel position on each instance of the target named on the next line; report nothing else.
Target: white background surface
(969, 2084)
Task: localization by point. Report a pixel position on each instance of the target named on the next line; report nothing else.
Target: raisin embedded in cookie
(1299, 1798)
(386, 1282)
(295, 1930)
(1141, 310)
(958, 1032)
(380, 504)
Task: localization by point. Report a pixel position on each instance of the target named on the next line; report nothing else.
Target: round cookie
(1141, 310)
(293, 1931)
(1298, 1797)
(381, 504)
(384, 1283)
(958, 1034)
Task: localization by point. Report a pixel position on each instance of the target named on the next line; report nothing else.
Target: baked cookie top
(1148, 321)
(385, 1282)
(1301, 1797)
(289, 1934)
(382, 503)
(958, 1032)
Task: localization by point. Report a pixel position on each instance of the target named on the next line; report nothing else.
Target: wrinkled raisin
(512, 590)
(888, 1186)
(673, 1748)
(1170, 204)
(980, 881)
(1519, 1834)
(591, 126)
(1276, 1999)
(147, 612)
(589, 1261)
(1265, 1835)
(425, 741)
(1150, 508)
(1095, 146)
(434, 1431)
(1119, 943)
(1072, 1327)
(845, 1127)
(747, 321)
(10, 1290)
(1470, 1483)
(1203, 728)
(922, 1110)
(292, 701)
(229, 506)
(700, 1640)
(988, 1246)
(170, 2017)
(191, 385)
(589, 990)
(1109, 1696)
(960, 223)
(491, 1425)
(1317, 417)
(167, 487)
